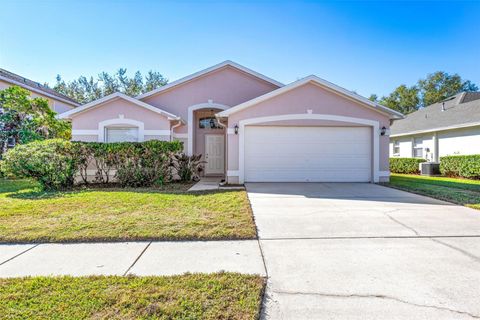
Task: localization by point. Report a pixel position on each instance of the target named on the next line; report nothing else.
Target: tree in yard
(440, 85)
(373, 97)
(404, 99)
(86, 89)
(24, 119)
(434, 88)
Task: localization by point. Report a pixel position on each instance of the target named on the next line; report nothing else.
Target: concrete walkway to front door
(124, 258)
(364, 251)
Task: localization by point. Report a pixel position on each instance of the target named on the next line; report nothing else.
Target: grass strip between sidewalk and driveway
(28, 214)
(190, 296)
(460, 191)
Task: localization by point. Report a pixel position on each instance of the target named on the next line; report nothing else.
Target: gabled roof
(28, 84)
(116, 95)
(315, 80)
(208, 70)
(458, 111)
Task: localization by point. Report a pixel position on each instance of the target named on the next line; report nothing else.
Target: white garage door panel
(315, 154)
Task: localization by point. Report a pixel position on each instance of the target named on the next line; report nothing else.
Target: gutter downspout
(173, 127)
(226, 146)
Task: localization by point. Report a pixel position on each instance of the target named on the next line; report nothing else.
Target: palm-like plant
(188, 168)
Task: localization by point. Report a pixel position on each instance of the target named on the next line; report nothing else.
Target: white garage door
(308, 154)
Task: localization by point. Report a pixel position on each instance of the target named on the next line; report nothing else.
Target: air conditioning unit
(429, 168)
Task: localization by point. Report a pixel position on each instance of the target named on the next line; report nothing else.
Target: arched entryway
(206, 136)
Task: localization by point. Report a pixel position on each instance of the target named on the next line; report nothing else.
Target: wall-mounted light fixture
(383, 131)
(236, 129)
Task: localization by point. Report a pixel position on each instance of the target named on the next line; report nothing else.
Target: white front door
(214, 153)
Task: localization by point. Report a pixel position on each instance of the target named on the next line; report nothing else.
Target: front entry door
(214, 153)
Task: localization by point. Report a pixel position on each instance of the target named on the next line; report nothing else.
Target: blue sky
(369, 47)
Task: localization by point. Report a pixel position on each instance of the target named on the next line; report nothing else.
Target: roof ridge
(16, 78)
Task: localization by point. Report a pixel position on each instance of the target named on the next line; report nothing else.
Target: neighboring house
(251, 128)
(446, 128)
(58, 102)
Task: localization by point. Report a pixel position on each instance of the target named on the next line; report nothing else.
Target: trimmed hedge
(405, 165)
(137, 163)
(55, 163)
(461, 166)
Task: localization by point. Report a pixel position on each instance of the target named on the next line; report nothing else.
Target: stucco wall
(451, 142)
(299, 101)
(122, 110)
(113, 109)
(228, 86)
(460, 141)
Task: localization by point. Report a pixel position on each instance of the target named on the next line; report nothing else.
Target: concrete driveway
(363, 251)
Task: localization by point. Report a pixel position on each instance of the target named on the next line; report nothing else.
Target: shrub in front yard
(136, 164)
(55, 163)
(50, 162)
(145, 164)
(187, 168)
(461, 166)
(405, 165)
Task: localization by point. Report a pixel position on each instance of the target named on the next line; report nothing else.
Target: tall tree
(86, 89)
(403, 99)
(24, 119)
(373, 97)
(434, 88)
(440, 85)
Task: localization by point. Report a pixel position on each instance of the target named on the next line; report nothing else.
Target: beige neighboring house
(450, 127)
(251, 128)
(58, 102)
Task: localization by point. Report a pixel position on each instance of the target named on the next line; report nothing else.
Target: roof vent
(445, 100)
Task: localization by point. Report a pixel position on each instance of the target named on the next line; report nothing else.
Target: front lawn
(190, 296)
(28, 214)
(460, 191)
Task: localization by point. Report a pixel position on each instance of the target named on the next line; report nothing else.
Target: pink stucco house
(251, 128)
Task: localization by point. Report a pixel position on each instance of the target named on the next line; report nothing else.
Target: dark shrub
(405, 165)
(461, 166)
(187, 168)
(50, 162)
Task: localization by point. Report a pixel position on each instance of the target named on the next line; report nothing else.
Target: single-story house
(251, 128)
(58, 102)
(450, 127)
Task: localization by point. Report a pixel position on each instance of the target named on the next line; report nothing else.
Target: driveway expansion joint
(376, 296)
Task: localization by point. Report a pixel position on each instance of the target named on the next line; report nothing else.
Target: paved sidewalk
(122, 258)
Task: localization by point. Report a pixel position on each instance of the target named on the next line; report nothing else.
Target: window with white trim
(396, 147)
(418, 147)
(117, 134)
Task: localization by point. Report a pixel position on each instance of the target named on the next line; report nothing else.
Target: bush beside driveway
(460, 191)
(28, 214)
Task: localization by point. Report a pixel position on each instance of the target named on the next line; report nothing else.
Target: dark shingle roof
(35, 85)
(462, 108)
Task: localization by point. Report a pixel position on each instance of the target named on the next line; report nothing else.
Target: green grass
(28, 214)
(460, 191)
(191, 296)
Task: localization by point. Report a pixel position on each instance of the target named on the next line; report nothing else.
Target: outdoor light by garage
(383, 131)
(236, 129)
